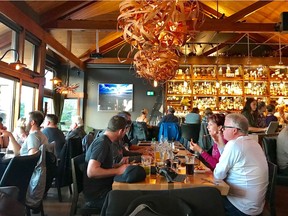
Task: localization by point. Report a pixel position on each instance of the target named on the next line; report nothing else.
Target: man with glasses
(244, 167)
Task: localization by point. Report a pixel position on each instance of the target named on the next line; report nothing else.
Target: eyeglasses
(224, 127)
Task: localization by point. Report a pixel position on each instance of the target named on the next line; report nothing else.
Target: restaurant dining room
(174, 107)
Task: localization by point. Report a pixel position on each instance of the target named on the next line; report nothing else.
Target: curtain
(58, 102)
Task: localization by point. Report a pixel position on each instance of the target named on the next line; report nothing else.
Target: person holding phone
(215, 126)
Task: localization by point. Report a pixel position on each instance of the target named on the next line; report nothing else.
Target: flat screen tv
(115, 97)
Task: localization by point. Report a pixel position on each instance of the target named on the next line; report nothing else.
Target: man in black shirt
(100, 169)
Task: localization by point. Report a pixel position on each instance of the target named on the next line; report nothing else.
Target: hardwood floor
(52, 207)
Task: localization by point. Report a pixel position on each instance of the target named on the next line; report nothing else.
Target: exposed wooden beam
(111, 39)
(208, 25)
(219, 26)
(246, 11)
(209, 11)
(222, 45)
(62, 10)
(18, 16)
(194, 60)
(83, 24)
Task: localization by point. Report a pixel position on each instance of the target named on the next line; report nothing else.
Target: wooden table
(157, 182)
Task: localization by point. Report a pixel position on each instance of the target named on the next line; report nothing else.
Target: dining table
(200, 178)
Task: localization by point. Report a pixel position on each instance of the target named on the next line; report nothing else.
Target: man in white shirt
(282, 151)
(244, 167)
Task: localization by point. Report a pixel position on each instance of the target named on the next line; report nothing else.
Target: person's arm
(207, 157)
(226, 161)
(256, 129)
(15, 145)
(94, 170)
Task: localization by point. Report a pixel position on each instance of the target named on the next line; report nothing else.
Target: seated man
(30, 146)
(170, 117)
(101, 170)
(53, 133)
(282, 151)
(244, 167)
(76, 128)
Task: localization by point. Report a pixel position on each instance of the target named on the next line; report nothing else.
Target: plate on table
(200, 169)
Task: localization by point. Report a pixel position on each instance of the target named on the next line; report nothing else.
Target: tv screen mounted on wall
(115, 97)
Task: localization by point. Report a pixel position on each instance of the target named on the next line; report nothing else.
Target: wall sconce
(55, 80)
(17, 64)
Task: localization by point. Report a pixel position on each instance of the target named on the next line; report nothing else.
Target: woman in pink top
(215, 124)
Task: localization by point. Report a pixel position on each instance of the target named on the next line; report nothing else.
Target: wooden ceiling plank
(62, 11)
(83, 24)
(247, 11)
(223, 44)
(18, 16)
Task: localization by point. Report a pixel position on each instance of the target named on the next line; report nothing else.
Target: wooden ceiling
(230, 27)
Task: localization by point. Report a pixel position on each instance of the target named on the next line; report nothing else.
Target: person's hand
(195, 147)
(124, 160)
(122, 168)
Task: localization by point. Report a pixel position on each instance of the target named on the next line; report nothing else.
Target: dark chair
(205, 140)
(170, 131)
(86, 141)
(188, 132)
(270, 194)
(72, 148)
(78, 169)
(138, 131)
(269, 145)
(19, 172)
(196, 198)
(9, 203)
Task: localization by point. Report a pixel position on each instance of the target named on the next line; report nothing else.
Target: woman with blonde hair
(143, 116)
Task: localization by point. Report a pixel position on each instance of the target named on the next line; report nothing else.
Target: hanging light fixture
(17, 64)
(66, 88)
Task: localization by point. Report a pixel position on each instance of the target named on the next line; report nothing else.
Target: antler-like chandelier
(163, 24)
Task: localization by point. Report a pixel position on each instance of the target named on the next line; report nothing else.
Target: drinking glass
(190, 160)
(146, 163)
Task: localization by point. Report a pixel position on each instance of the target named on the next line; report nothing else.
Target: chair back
(169, 130)
(205, 140)
(86, 141)
(19, 172)
(139, 131)
(270, 148)
(196, 198)
(78, 166)
(190, 131)
(270, 194)
(72, 148)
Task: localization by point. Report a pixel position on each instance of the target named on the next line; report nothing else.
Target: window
(49, 75)
(7, 41)
(7, 90)
(69, 110)
(29, 56)
(49, 108)
(27, 104)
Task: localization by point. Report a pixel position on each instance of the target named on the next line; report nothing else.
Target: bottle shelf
(225, 87)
